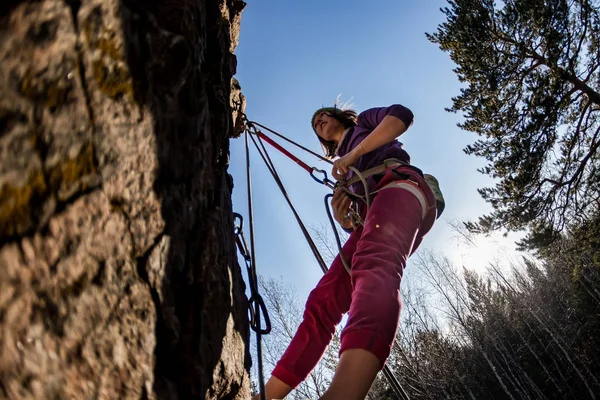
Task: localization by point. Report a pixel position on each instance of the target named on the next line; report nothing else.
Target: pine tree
(532, 75)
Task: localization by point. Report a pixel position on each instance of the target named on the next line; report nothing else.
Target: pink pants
(377, 252)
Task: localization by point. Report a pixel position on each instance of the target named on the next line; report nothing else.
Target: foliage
(526, 333)
(520, 333)
(531, 70)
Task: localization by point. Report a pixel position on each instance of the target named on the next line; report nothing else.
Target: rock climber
(402, 211)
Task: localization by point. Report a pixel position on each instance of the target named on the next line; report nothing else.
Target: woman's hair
(347, 118)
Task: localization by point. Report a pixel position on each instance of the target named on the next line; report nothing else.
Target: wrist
(347, 223)
(360, 150)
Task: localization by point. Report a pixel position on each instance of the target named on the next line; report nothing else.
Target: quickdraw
(256, 301)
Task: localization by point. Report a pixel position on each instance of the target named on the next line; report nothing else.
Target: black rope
(320, 157)
(255, 298)
(271, 167)
(396, 387)
(336, 234)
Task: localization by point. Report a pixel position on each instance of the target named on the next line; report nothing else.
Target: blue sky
(295, 57)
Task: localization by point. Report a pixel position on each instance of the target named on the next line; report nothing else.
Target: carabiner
(238, 228)
(242, 246)
(325, 181)
(257, 301)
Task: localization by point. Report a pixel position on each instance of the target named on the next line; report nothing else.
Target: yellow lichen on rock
(52, 94)
(66, 177)
(113, 80)
(17, 204)
(109, 67)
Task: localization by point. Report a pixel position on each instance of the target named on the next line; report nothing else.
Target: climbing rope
(395, 384)
(256, 303)
(324, 181)
(250, 129)
(320, 157)
(271, 167)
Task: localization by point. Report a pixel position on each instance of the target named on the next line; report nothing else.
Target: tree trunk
(118, 273)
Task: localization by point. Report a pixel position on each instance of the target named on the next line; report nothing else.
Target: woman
(402, 211)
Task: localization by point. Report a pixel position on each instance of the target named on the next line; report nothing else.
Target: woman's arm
(387, 130)
(372, 117)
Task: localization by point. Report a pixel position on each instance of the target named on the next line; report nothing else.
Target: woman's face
(328, 128)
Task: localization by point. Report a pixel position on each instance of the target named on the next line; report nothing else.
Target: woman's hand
(340, 166)
(341, 206)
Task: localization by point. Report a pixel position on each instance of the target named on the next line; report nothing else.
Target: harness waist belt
(392, 163)
(387, 164)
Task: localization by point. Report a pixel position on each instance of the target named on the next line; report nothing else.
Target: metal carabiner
(240, 239)
(325, 181)
(242, 246)
(257, 301)
(237, 228)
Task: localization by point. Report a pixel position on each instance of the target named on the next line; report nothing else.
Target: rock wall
(118, 274)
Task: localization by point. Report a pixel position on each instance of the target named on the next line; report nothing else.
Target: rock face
(118, 274)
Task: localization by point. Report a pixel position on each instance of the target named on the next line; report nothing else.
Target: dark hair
(347, 118)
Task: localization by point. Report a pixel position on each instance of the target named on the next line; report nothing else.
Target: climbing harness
(251, 130)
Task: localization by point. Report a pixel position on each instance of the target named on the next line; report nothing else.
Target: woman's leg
(275, 389)
(391, 228)
(326, 305)
(354, 375)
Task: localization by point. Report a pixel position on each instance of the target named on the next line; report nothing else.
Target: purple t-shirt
(366, 123)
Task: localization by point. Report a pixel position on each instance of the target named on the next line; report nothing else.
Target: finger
(336, 204)
(336, 174)
(347, 202)
(338, 194)
(338, 210)
(337, 197)
(343, 171)
(345, 211)
(341, 208)
(339, 216)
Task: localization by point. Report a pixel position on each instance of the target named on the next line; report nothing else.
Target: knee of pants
(322, 312)
(377, 281)
(378, 294)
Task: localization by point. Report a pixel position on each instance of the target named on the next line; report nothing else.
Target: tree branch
(593, 96)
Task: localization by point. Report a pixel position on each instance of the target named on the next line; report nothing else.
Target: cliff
(118, 274)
